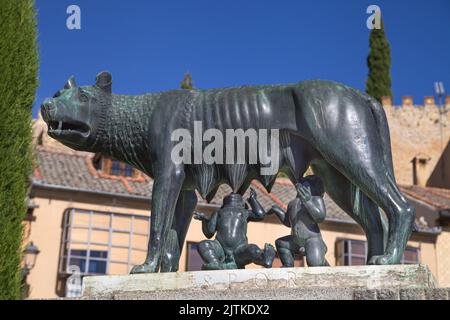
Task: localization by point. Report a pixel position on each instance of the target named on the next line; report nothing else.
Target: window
(194, 260)
(115, 168)
(351, 252)
(354, 252)
(121, 169)
(128, 170)
(411, 256)
(96, 261)
(103, 242)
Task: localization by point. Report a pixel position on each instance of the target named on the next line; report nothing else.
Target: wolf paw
(384, 259)
(144, 268)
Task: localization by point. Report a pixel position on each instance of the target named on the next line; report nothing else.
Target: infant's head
(233, 200)
(315, 183)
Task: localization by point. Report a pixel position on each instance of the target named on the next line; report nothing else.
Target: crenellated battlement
(408, 101)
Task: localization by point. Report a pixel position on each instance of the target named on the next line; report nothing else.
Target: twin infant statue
(231, 250)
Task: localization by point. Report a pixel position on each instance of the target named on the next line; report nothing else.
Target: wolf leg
(166, 189)
(187, 200)
(377, 186)
(356, 204)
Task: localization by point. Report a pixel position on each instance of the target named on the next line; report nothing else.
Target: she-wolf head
(75, 114)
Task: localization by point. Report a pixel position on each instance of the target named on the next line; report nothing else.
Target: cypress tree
(187, 82)
(378, 83)
(18, 82)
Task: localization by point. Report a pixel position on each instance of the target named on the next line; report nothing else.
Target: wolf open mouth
(65, 127)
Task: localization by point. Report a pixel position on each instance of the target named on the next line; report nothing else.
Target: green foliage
(378, 83)
(187, 82)
(18, 82)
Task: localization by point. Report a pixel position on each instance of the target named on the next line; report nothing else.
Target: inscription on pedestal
(360, 277)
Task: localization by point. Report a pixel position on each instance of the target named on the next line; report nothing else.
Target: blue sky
(149, 45)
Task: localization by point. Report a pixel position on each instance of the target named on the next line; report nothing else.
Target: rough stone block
(412, 294)
(388, 294)
(255, 294)
(436, 294)
(365, 294)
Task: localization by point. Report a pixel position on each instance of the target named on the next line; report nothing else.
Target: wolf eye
(84, 98)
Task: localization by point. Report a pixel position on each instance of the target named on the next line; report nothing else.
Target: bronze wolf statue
(340, 132)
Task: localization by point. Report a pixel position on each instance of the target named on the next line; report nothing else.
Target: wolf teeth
(60, 125)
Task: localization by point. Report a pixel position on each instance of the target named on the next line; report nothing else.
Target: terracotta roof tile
(436, 197)
(70, 170)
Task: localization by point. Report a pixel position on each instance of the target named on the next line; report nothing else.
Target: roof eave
(48, 186)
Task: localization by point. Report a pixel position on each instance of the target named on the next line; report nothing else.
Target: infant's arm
(281, 214)
(257, 212)
(316, 208)
(209, 224)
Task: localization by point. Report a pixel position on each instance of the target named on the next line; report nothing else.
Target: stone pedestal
(357, 282)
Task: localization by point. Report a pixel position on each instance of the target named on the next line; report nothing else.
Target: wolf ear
(104, 81)
(70, 83)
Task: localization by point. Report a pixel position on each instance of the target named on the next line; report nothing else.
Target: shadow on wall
(440, 177)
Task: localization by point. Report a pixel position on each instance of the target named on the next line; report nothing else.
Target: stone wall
(403, 294)
(416, 133)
